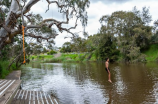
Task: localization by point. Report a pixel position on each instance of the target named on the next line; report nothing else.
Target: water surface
(86, 83)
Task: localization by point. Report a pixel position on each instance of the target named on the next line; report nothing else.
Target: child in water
(107, 69)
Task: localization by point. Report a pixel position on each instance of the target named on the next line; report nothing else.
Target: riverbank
(151, 55)
(69, 81)
(12, 93)
(9, 87)
(4, 71)
(14, 75)
(65, 57)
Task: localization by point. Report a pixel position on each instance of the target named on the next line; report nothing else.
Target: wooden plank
(41, 98)
(38, 97)
(14, 75)
(6, 87)
(3, 81)
(22, 101)
(50, 99)
(14, 98)
(27, 97)
(9, 91)
(55, 101)
(33, 97)
(47, 100)
(30, 97)
(18, 98)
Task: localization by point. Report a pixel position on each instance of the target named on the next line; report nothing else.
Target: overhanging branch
(50, 2)
(35, 36)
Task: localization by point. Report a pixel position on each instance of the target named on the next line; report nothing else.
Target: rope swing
(23, 28)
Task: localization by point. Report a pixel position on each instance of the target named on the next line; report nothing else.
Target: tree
(9, 28)
(106, 48)
(44, 50)
(15, 13)
(90, 44)
(66, 47)
(51, 52)
(78, 44)
(131, 29)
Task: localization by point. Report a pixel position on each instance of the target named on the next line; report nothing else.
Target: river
(86, 83)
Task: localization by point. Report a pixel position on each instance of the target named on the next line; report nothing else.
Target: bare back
(106, 64)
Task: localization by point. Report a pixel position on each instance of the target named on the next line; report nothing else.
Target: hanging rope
(23, 44)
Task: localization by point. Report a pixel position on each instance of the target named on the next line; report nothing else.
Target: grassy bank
(70, 57)
(65, 57)
(3, 68)
(41, 57)
(152, 53)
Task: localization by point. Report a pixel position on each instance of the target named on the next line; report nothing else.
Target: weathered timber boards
(7, 90)
(14, 75)
(33, 97)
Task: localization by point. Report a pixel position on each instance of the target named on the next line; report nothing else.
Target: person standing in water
(107, 69)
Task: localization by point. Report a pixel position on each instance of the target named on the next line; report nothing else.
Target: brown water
(86, 83)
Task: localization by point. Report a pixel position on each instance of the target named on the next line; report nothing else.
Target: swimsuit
(107, 69)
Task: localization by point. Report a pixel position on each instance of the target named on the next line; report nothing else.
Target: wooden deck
(33, 97)
(11, 94)
(8, 89)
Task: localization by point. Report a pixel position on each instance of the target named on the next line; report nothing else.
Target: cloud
(97, 9)
(119, 1)
(110, 1)
(42, 6)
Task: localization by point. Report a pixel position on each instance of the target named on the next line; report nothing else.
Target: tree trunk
(3, 33)
(11, 20)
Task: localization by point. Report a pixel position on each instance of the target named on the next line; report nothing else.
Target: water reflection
(86, 83)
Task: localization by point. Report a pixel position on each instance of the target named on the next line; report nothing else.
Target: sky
(97, 9)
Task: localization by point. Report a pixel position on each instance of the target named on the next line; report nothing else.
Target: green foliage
(13, 67)
(154, 38)
(4, 68)
(67, 47)
(151, 53)
(40, 57)
(1, 69)
(81, 57)
(132, 34)
(93, 57)
(5, 53)
(77, 44)
(51, 52)
(72, 57)
(5, 3)
(142, 37)
(106, 48)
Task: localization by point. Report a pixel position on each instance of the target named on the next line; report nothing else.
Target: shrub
(13, 67)
(51, 52)
(48, 53)
(1, 70)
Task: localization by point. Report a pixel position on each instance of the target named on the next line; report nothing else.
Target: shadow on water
(86, 83)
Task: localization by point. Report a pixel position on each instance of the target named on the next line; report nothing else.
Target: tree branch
(6, 28)
(27, 7)
(35, 36)
(50, 2)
